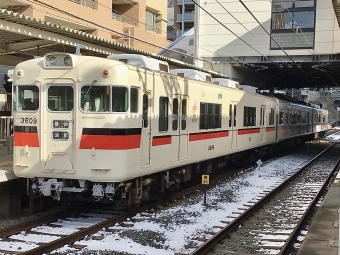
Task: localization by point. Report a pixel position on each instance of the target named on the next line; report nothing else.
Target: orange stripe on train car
(110, 142)
(270, 129)
(209, 135)
(248, 131)
(161, 140)
(25, 138)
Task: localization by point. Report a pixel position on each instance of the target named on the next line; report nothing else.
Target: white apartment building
(297, 41)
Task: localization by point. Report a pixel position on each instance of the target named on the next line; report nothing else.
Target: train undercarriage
(151, 187)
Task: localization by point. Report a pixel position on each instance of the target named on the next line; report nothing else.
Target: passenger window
(120, 99)
(145, 115)
(163, 113)
(134, 100)
(281, 119)
(184, 114)
(175, 114)
(271, 116)
(210, 115)
(235, 115)
(230, 114)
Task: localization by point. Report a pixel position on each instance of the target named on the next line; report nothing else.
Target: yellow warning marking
(205, 179)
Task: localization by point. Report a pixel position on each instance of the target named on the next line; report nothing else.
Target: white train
(126, 127)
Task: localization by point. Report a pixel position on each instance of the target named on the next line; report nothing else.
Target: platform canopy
(23, 37)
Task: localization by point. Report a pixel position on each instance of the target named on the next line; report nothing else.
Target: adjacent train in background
(128, 128)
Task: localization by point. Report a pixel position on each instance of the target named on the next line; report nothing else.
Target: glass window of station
(293, 24)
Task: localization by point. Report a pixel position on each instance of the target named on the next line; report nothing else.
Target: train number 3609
(29, 120)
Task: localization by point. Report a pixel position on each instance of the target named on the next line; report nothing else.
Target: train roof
(142, 61)
(191, 73)
(226, 82)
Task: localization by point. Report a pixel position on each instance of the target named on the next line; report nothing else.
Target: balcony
(88, 3)
(189, 16)
(179, 2)
(124, 19)
(13, 4)
(155, 30)
(119, 2)
(68, 23)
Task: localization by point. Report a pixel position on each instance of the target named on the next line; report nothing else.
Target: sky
(175, 228)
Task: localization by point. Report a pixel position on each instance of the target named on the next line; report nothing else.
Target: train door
(233, 124)
(58, 136)
(146, 131)
(179, 144)
(262, 123)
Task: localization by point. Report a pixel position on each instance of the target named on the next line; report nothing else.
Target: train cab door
(233, 124)
(179, 139)
(58, 115)
(146, 131)
(262, 123)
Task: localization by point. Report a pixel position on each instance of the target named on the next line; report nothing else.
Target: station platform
(323, 234)
(6, 168)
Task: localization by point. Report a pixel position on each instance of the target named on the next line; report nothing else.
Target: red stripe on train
(161, 140)
(248, 131)
(25, 138)
(110, 142)
(210, 135)
(270, 129)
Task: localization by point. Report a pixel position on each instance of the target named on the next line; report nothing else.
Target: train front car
(70, 125)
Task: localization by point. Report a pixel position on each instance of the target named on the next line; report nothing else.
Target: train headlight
(58, 60)
(52, 61)
(68, 61)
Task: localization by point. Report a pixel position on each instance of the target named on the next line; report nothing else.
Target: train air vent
(142, 61)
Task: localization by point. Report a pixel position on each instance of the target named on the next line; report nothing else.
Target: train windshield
(95, 98)
(25, 98)
(60, 98)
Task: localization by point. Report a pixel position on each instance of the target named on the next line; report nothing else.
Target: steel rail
(215, 239)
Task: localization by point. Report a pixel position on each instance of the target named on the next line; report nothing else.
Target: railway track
(272, 224)
(91, 222)
(90, 225)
